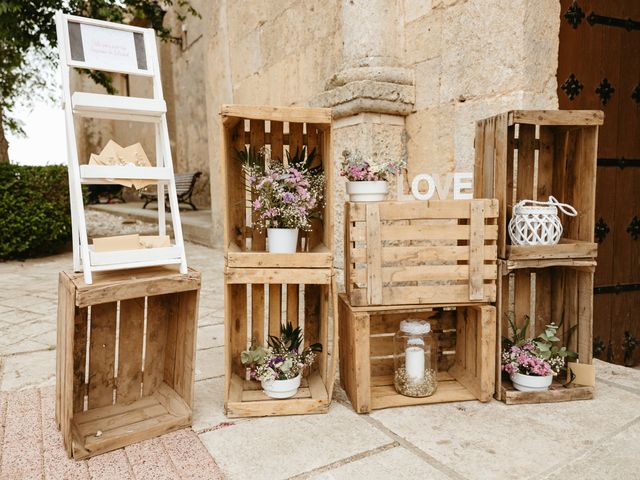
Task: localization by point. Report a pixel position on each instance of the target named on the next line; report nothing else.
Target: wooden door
(599, 68)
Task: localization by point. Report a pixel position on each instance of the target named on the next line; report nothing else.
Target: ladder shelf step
(117, 107)
(120, 257)
(103, 172)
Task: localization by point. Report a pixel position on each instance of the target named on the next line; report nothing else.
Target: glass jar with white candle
(414, 376)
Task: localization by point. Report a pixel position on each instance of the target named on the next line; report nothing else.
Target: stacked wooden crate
(431, 260)
(122, 395)
(530, 155)
(262, 289)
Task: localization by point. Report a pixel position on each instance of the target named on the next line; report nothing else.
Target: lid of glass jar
(415, 327)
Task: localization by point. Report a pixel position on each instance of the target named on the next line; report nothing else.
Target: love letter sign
(424, 186)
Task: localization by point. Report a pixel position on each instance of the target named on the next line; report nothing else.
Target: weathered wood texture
(464, 342)
(562, 295)
(309, 305)
(145, 395)
(530, 155)
(400, 253)
(280, 130)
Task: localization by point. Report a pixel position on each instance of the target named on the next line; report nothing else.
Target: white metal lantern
(537, 223)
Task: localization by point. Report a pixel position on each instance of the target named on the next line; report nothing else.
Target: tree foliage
(28, 42)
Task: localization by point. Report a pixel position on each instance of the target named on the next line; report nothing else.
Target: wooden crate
(561, 294)
(118, 402)
(403, 253)
(534, 154)
(251, 320)
(282, 129)
(464, 353)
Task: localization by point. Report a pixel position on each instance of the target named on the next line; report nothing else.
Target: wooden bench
(185, 183)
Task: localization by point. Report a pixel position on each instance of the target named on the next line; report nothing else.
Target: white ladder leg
(162, 217)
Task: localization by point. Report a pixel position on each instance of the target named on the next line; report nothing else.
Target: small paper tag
(584, 374)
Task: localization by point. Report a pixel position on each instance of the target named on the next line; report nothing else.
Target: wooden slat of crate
(102, 354)
(563, 295)
(131, 405)
(565, 168)
(366, 365)
(127, 284)
(378, 238)
(315, 329)
(556, 393)
(562, 118)
(120, 426)
(130, 350)
(275, 114)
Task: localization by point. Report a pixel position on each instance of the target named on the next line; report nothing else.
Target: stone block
(304, 443)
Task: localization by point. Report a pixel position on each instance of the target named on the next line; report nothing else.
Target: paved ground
(586, 440)
(31, 448)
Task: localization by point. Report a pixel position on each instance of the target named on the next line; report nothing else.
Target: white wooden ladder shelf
(116, 48)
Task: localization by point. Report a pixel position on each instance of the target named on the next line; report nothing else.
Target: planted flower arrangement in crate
(536, 367)
(284, 198)
(259, 141)
(532, 363)
(367, 179)
(280, 365)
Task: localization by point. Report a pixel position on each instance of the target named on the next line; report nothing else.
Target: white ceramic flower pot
(282, 240)
(531, 383)
(281, 388)
(375, 191)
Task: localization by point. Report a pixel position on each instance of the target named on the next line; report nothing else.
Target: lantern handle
(553, 201)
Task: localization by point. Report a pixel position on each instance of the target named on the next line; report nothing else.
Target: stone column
(371, 94)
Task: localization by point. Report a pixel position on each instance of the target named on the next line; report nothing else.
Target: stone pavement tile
(619, 456)
(208, 404)
(26, 301)
(34, 369)
(209, 363)
(110, 466)
(20, 317)
(46, 339)
(22, 443)
(190, 457)
(56, 463)
(280, 447)
(210, 336)
(149, 461)
(625, 376)
(395, 463)
(24, 345)
(477, 440)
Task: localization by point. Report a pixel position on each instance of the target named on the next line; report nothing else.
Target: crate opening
(553, 160)
(129, 374)
(278, 138)
(453, 350)
(258, 311)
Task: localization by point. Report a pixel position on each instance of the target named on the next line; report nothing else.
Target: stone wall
(266, 53)
(405, 77)
(473, 59)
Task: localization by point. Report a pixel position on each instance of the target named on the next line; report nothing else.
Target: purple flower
(288, 197)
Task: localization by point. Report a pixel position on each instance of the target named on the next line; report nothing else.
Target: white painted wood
(133, 256)
(125, 171)
(119, 108)
(97, 105)
(92, 62)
